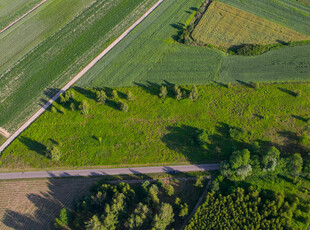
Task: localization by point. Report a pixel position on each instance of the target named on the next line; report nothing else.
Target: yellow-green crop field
(225, 26)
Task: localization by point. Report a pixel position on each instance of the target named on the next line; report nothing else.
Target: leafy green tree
(183, 210)
(236, 160)
(129, 96)
(270, 159)
(169, 190)
(114, 94)
(194, 94)
(199, 182)
(94, 224)
(72, 106)
(123, 106)
(145, 186)
(304, 139)
(215, 186)
(101, 96)
(163, 92)
(139, 216)
(295, 165)
(244, 171)
(53, 153)
(62, 222)
(84, 107)
(255, 147)
(153, 194)
(177, 92)
(203, 138)
(53, 109)
(164, 217)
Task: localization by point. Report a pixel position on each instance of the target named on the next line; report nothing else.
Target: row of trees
(179, 94)
(122, 207)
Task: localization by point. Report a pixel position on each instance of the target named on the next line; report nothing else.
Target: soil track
(20, 18)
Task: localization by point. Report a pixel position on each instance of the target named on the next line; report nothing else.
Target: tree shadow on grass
(86, 92)
(300, 118)
(289, 92)
(33, 145)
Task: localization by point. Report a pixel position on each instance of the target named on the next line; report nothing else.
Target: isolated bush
(183, 210)
(194, 94)
(215, 186)
(163, 92)
(62, 221)
(101, 96)
(84, 107)
(53, 153)
(129, 96)
(199, 182)
(114, 94)
(177, 92)
(123, 106)
(169, 190)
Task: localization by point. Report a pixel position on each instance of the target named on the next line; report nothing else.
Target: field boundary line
(78, 76)
(110, 172)
(24, 15)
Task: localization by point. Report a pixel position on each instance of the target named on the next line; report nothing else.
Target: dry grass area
(34, 204)
(226, 26)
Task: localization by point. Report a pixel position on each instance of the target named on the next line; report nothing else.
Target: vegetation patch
(226, 26)
(88, 127)
(147, 205)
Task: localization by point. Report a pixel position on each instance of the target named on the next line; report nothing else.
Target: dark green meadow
(156, 130)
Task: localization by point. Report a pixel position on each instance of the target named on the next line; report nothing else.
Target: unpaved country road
(20, 18)
(103, 172)
(77, 77)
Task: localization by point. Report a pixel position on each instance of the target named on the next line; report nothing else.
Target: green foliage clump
(199, 182)
(84, 107)
(169, 190)
(295, 163)
(62, 222)
(177, 92)
(239, 134)
(194, 94)
(203, 138)
(101, 96)
(240, 209)
(138, 217)
(164, 217)
(163, 92)
(251, 50)
(270, 159)
(53, 153)
(114, 94)
(129, 96)
(123, 106)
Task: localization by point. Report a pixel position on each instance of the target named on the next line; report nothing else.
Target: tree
(72, 106)
(84, 106)
(295, 165)
(163, 218)
(244, 171)
(199, 182)
(94, 224)
(53, 153)
(177, 92)
(304, 139)
(215, 186)
(194, 94)
(62, 222)
(183, 210)
(236, 160)
(153, 194)
(101, 96)
(129, 96)
(203, 138)
(123, 106)
(270, 159)
(114, 94)
(163, 92)
(169, 190)
(140, 214)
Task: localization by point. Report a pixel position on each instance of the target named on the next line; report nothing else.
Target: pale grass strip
(77, 77)
(5, 133)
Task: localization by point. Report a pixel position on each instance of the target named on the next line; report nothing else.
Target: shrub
(183, 210)
(84, 107)
(270, 159)
(114, 94)
(203, 138)
(129, 96)
(215, 186)
(101, 96)
(177, 92)
(237, 133)
(163, 218)
(194, 94)
(62, 221)
(163, 92)
(295, 165)
(53, 109)
(199, 182)
(304, 139)
(123, 106)
(251, 50)
(72, 106)
(53, 153)
(244, 171)
(169, 190)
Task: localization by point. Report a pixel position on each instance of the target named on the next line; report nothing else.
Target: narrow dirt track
(77, 77)
(20, 18)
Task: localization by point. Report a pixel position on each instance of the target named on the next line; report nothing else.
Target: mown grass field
(163, 131)
(10, 10)
(50, 65)
(35, 28)
(225, 26)
(34, 204)
(290, 13)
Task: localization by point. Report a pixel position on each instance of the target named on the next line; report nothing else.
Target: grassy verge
(162, 130)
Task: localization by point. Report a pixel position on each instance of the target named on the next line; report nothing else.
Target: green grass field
(163, 131)
(51, 64)
(287, 64)
(289, 13)
(35, 28)
(10, 10)
(216, 28)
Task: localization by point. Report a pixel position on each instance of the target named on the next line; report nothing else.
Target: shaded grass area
(10, 10)
(34, 204)
(297, 16)
(215, 28)
(42, 72)
(158, 130)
